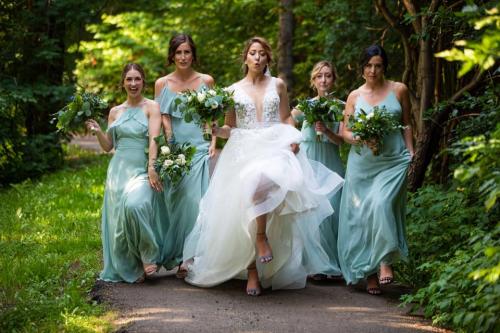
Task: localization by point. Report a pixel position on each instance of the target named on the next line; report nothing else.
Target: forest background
(447, 52)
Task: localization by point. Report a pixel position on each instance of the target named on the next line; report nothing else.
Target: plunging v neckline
(379, 102)
(255, 104)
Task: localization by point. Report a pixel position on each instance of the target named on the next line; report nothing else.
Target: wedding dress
(257, 173)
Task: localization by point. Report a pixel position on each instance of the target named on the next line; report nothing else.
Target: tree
(285, 45)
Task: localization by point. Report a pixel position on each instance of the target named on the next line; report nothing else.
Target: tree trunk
(285, 58)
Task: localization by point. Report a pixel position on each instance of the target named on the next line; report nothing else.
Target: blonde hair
(317, 68)
(265, 45)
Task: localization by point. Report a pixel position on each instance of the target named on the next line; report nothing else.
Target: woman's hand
(371, 143)
(211, 150)
(154, 179)
(295, 148)
(320, 127)
(93, 126)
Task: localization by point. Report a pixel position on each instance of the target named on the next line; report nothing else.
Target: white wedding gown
(257, 173)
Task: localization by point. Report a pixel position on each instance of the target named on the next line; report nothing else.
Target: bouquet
(205, 106)
(322, 109)
(173, 160)
(83, 106)
(374, 126)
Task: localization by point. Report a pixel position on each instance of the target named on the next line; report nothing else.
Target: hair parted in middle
(128, 67)
(318, 67)
(175, 42)
(267, 48)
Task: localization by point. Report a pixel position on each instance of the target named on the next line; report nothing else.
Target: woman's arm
(229, 122)
(331, 135)
(404, 97)
(349, 112)
(284, 108)
(154, 127)
(105, 140)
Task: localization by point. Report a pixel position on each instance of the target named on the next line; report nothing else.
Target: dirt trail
(166, 304)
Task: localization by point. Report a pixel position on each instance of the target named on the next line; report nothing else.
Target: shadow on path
(166, 304)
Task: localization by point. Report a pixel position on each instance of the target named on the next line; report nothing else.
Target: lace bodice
(246, 110)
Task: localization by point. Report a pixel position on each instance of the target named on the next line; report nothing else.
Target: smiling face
(373, 70)
(133, 82)
(256, 58)
(183, 58)
(323, 80)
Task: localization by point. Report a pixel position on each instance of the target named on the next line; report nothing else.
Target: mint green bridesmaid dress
(134, 215)
(327, 153)
(183, 199)
(372, 209)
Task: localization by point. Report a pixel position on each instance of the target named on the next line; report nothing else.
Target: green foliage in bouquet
(174, 160)
(322, 109)
(83, 106)
(374, 126)
(205, 106)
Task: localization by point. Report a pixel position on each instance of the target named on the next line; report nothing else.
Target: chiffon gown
(256, 174)
(134, 216)
(183, 199)
(372, 209)
(327, 153)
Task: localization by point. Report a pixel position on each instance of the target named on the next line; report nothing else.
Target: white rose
(201, 97)
(370, 116)
(181, 161)
(178, 161)
(214, 105)
(182, 157)
(168, 163)
(165, 150)
(212, 92)
(190, 98)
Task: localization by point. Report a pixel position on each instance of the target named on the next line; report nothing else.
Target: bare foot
(149, 269)
(253, 285)
(386, 274)
(372, 286)
(264, 251)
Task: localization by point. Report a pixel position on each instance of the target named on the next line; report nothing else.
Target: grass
(50, 249)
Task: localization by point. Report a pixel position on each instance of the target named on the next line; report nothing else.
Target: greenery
(51, 249)
(447, 53)
(83, 106)
(174, 160)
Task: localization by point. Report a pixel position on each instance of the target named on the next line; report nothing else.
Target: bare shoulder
(207, 79)
(399, 87)
(160, 83)
(280, 84)
(353, 96)
(151, 106)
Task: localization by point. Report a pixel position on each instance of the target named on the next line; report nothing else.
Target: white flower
(214, 105)
(178, 161)
(201, 97)
(182, 157)
(212, 92)
(190, 98)
(168, 163)
(369, 115)
(165, 150)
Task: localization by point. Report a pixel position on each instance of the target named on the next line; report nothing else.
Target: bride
(251, 219)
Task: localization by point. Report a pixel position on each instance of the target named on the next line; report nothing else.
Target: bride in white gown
(260, 216)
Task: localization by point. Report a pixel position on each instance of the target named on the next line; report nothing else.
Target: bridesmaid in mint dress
(183, 199)
(372, 210)
(326, 151)
(134, 213)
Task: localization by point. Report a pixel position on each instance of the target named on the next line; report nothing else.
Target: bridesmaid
(133, 214)
(323, 76)
(183, 199)
(372, 209)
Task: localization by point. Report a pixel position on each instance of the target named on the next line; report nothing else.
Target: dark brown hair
(267, 48)
(174, 43)
(131, 66)
(370, 52)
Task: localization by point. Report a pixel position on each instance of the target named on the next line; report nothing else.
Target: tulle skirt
(257, 174)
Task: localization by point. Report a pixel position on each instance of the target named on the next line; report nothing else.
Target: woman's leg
(264, 251)
(253, 286)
